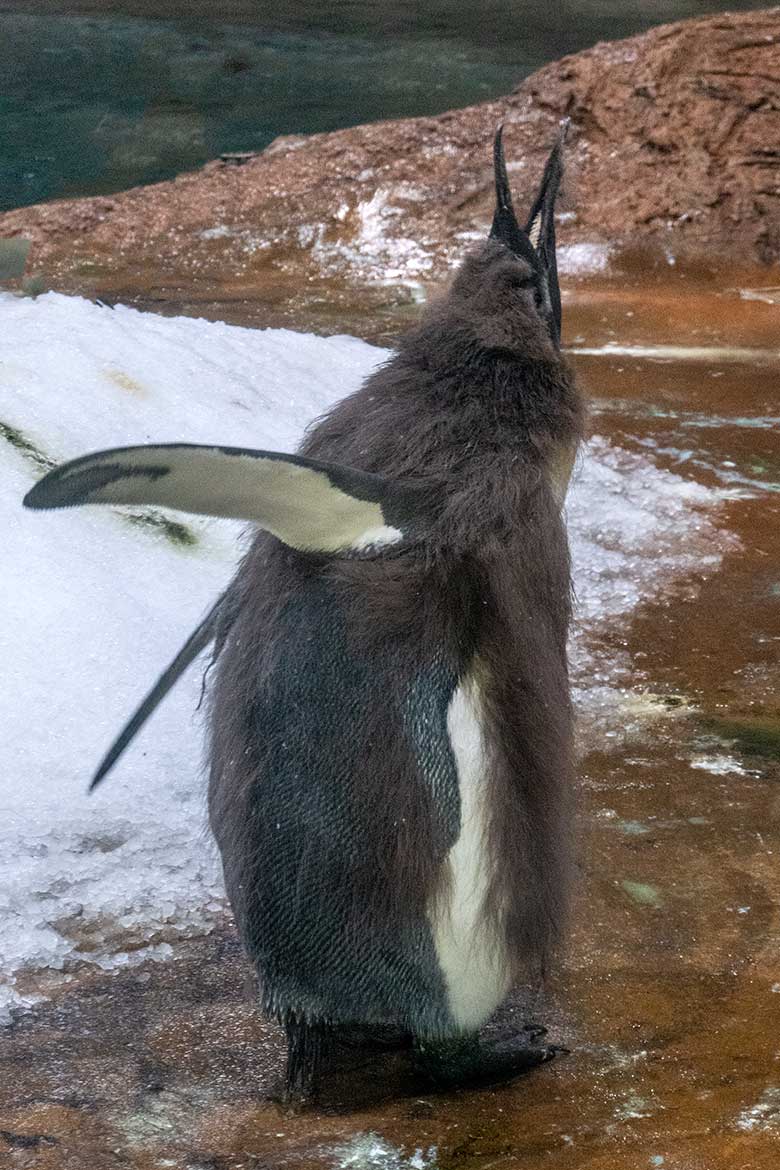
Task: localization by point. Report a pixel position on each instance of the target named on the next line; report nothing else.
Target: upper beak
(505, 226)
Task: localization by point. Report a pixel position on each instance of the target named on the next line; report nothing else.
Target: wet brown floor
(669, 997)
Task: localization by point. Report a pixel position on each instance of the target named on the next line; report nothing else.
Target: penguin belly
(303, 842)
(471, 952)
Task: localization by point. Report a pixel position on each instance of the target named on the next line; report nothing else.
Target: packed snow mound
(96, 603)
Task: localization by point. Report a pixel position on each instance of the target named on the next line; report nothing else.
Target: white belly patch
(472, 958)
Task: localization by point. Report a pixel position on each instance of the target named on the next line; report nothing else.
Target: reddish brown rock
(675, 138)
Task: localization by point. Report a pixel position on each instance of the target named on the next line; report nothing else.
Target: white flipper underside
(299, 504)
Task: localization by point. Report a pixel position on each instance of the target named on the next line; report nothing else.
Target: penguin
(390, 728)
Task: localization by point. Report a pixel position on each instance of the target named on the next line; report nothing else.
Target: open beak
(535, 242)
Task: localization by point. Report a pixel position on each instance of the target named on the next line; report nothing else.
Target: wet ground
(669, 997)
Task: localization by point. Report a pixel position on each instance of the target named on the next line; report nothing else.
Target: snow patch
(764, 1116)
(712, 354)
(376, 250)
(632, 527)
(248, 240)
(583, 259)
(634, 1107)
(368, 1151)
(722, 765)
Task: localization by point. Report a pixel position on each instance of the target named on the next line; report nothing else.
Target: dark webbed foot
(315, 1050)
(371, 1038)
(468, 1061)
(306, 1045)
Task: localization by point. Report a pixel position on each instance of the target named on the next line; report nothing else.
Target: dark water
(99, 96)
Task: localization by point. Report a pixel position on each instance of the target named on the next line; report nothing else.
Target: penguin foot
(314, 1049)
(371, 1037)
(306, 1046)
(467, 1062)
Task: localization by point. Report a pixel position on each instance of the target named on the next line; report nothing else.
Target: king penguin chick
(390, 724)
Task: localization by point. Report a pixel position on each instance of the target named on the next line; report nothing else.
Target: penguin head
(511, 281)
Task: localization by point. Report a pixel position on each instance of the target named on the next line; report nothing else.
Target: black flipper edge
(197, 642)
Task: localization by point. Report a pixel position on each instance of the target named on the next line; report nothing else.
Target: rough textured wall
(675, 136)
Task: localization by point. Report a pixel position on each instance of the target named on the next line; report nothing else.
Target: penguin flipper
(308, 505)
(197, 641)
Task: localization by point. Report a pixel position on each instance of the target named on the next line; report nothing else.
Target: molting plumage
(455, 742)
(391, 741)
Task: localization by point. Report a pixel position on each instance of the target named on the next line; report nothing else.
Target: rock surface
(674, 140)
